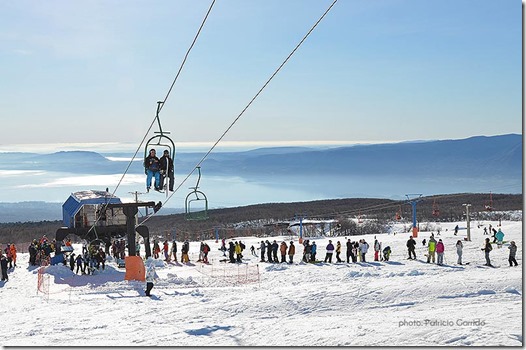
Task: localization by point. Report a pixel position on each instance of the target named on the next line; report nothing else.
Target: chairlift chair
(190, 212)
(160, 140)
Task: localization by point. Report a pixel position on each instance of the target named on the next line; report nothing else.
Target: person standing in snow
(262, 246)
(79, 262)
(349, 250)
(411, 244)
(13, 251)
(312, 251)
(306, 250)
(292, 251)
(377, 249)
(338, 251)
(174, 250)
(237, 249)
(151, 277)
(223, 246)
(166, 251)
(72, 261)
(185, 252)
(7, 251)
(231, 252)
(513, 251)
(363, 249)
(494, 235)
(156, 249)
(33, 253)
(499, 236)
(275, 247)
(355, 253)
(487, 249)
(387, 253)
(358, 245)
(101, 258)
(269, 251)
(206, 249)
(431, 248)
(440, 252)
(329, 250)
(3, 266)
(459, 246)
(283, 250)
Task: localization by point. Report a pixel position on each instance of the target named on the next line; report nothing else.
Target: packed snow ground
(396, 303)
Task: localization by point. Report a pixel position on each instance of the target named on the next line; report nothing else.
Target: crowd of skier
(93, 256)
(436, 248)
(355, 251)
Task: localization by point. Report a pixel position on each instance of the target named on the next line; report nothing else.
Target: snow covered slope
(396, 303)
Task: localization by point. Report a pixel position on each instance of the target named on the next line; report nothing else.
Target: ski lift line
(332, 215)
(387, 205)
(370, 209)
(247, 106)
(384, 206)
(265, 85)
(187, 54)
(159, 108)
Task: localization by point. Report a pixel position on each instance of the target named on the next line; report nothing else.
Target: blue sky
(373, 70)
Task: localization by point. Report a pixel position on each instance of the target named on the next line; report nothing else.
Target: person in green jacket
(431, 248)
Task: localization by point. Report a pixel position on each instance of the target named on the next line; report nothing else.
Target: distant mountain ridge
(474, 165)
(460, 157)
(486, 155)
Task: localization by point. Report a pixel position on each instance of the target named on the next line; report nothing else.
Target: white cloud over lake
(13, 173)
(88, 180)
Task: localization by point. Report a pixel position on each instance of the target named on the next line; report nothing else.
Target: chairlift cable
(158, 110)
(247, 106)
(187, 53)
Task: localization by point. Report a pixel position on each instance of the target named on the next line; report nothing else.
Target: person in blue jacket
(499, 236)
(313, 249)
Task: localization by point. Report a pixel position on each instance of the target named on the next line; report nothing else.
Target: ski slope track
(396, 303)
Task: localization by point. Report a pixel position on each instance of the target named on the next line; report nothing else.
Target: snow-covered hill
(396, 303)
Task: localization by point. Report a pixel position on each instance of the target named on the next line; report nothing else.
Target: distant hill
(273, 218)
(486, 156)
(30, 211)
(480, 156)
(473, 165)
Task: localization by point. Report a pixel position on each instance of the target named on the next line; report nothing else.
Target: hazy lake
(230, 191)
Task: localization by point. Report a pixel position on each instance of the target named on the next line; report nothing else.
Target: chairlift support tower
(413, 200)
(468, 224)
